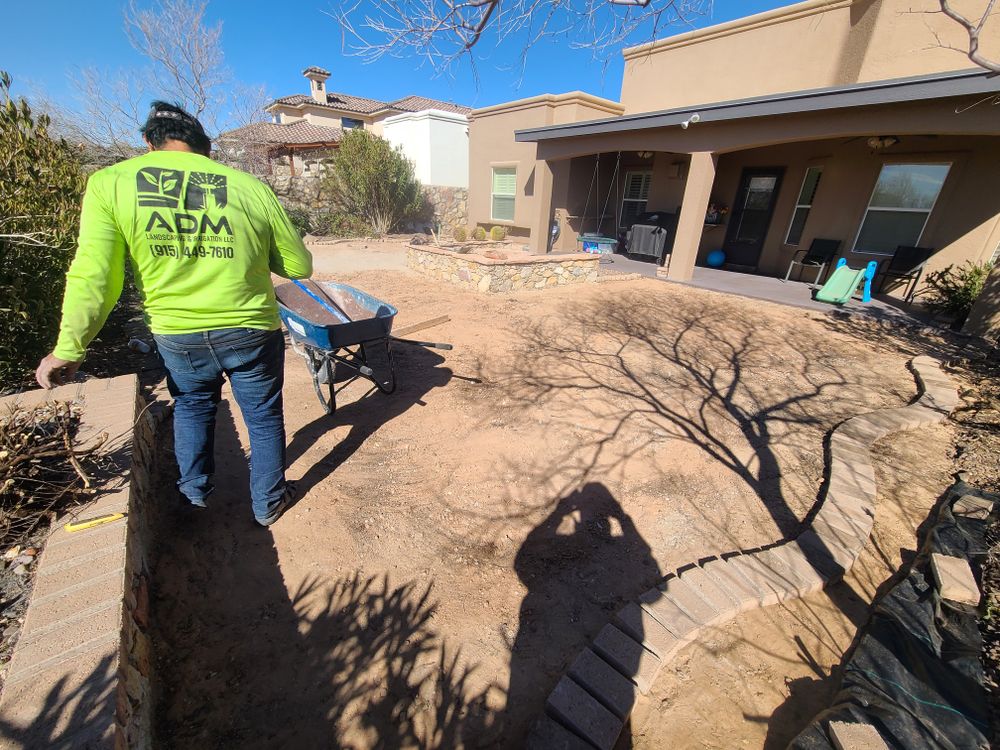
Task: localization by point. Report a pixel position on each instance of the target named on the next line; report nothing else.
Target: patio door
(751, 215)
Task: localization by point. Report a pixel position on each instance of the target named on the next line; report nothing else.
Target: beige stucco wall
(963, 225)
(809, 45)
(491, 144)
(323, 118)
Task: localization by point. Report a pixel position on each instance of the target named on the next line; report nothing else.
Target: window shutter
(637, 185)
(505, 181)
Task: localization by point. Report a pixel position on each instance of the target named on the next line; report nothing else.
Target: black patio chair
(819, 255)
(907, 263)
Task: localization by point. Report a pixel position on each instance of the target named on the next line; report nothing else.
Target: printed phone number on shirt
(196, 251)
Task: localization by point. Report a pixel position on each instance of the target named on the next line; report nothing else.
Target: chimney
(317, 83)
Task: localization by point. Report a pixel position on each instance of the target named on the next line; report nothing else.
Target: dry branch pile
(42, 472)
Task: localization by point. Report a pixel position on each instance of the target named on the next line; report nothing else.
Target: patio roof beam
(900, 90)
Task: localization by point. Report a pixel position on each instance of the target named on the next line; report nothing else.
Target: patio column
(541, 219)
(691, 223)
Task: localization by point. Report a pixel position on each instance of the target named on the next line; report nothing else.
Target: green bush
(952, 291)
(41, 186)
(498, 234)
(369, 179)
(459, 234)
(300, 220)
(479, 234)
(340, 225)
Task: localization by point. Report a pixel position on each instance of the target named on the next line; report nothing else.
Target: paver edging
(82, 671)
(822, 554)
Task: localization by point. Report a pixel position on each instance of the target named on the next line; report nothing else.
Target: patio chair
(820, 254)
(907, 263)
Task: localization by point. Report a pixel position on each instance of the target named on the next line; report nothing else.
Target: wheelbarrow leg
(321, 369)
(389, 385)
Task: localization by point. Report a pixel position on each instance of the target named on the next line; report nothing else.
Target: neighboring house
(853, 120)
(304, 124)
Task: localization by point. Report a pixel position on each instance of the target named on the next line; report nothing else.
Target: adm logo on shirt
(162, 188)
(159, 187)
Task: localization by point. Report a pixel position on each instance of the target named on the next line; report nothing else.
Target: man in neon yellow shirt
(203, 240)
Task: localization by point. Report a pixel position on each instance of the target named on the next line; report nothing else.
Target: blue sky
(270, 43)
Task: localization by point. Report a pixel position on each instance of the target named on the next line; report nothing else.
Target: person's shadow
(418, 371)
(580, 565)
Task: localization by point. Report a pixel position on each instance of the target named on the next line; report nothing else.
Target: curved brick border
(588, 707)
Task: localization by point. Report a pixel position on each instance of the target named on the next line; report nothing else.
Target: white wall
(436, 142)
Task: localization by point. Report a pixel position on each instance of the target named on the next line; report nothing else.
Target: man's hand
(53, 371)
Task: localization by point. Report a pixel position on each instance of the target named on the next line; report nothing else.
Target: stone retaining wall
(82, 671)
(303, 188)
(451, 205)
(502, 274)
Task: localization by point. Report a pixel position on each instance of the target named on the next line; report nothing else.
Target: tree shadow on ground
(753, 398)
(419, 371)
(351, 661)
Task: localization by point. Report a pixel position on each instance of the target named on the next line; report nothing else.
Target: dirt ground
(457, 543)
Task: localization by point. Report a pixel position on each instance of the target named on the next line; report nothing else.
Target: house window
(809, 184)
(634, 197)
(349, 123)
(900, 205)
(504, 188)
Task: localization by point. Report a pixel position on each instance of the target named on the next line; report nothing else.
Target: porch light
(879, 142)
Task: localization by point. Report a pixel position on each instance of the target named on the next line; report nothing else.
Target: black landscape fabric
(915, 674)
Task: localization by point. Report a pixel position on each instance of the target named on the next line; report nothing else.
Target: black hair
(169, 122)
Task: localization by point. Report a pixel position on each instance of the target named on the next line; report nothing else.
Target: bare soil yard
(457, 543)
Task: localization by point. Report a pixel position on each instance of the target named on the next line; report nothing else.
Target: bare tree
(246, 144)
(186, 65)
(442, 31)
(974, 29)
(185, 51)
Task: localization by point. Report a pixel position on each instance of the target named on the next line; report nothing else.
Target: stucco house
(857, 121)
(301, 124)
(291, 152)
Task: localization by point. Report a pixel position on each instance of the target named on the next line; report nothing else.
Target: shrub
(952, 292)
(459, 234)
(369, 179)
(498, 234)
(41, 186)
(300, 220)
(479, 234)
(340, 225)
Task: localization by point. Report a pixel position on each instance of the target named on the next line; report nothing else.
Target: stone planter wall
(499, 275)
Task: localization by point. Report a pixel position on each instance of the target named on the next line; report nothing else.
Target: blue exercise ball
(716, 258)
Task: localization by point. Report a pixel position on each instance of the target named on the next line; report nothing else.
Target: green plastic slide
(844, 281)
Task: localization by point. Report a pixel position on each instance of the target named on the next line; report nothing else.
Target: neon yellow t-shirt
(202, 238)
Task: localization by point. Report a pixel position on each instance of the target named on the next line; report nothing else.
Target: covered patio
(770, 289)
(847, 135)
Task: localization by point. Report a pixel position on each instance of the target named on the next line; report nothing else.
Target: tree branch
(973, 29)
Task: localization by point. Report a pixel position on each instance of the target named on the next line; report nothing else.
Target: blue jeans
(253, 360)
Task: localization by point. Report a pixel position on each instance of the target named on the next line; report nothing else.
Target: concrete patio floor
(770, 289)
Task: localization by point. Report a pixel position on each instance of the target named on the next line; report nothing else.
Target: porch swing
(595, 242)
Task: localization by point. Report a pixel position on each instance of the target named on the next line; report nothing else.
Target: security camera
(693, 118)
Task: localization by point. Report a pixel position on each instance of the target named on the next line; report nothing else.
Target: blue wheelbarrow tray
(365, 318)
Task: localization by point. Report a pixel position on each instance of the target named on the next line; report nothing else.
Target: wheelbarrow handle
(427, 344)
